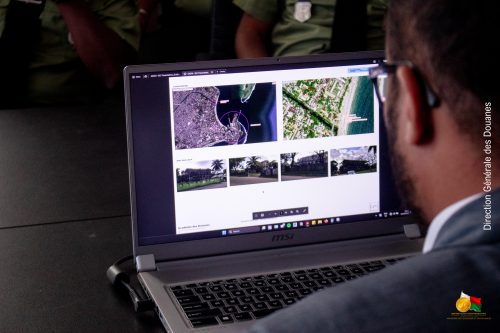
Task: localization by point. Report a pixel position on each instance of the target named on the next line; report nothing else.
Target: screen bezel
(255, 241)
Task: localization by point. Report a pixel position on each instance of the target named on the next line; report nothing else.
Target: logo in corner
(469, 308)
(468, 303)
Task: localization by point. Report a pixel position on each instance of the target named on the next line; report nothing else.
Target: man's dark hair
(455, 46)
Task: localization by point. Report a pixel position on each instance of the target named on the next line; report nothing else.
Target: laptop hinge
(145, 263)
(412, 231)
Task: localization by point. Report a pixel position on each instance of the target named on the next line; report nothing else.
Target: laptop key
(288, 301)
(260, 283)
(267, 290)
(273, 281)
(224, 319)
(247, 299)
(246, 285)
(305, 292)
(201, 290)
(208, 297)
(217, 303)
(310, 284)
(253, 291)
(195, 306)
(183, 293)
(337, 280)
(230, 286)
(262, 298)
(245, 307)
(344, 272)
(281, 287)
(357, 270)
(373, 268)
(223, 294)
(287, 279)
(260, 306)
(242, 316)
(188, 300)
(324, 282)
(238, 293)
(262, 313)
(275, 304)
(204, 322)
(232, 301)
(329, 274)
(302, 278)
(216, 289)
(291, 294)
(296, 285)
(276, 295)
(210, 313)
(230, 309)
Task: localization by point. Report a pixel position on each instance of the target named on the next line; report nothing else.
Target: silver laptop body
(244, 168)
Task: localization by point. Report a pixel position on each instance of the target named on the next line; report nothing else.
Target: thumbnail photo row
(246, 113)
(204, 175)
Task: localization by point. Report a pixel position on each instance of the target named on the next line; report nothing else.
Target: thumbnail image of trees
(355, 160)
(296, 166)
(319, 108)
(253, 170)
(201, 175)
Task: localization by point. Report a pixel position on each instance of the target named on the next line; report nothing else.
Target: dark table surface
(64, 218)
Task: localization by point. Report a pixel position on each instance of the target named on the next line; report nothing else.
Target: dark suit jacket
(415, 295)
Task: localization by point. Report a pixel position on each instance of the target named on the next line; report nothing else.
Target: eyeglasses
(379, 76)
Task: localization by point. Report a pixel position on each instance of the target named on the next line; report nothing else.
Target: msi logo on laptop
(282, 237)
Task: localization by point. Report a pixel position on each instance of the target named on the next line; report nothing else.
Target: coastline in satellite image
(327, 107)
(224, 115)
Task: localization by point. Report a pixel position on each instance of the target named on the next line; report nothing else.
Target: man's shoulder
(406, 296)
(476, 223)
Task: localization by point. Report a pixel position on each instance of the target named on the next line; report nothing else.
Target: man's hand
(102, 51)
(251, 37)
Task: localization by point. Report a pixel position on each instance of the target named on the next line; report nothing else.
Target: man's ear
(413, 117)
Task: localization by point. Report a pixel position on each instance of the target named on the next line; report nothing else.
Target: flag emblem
(468, 303)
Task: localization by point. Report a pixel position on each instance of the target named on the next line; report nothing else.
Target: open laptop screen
(248, 148)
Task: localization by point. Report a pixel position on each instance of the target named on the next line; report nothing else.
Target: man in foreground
(440, 97)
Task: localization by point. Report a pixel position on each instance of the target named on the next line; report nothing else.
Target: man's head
(437, 150)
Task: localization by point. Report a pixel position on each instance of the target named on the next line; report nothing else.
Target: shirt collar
(441, 218)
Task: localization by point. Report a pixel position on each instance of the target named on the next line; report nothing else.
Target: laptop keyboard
(253, 297)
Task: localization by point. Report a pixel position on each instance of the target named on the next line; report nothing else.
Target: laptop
(255, 183)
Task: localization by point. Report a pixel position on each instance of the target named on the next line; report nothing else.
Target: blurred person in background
(300, 27)
(174, 30)
(64, 51)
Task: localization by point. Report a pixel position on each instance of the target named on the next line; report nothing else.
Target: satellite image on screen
(322, 108)
(224, 115)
